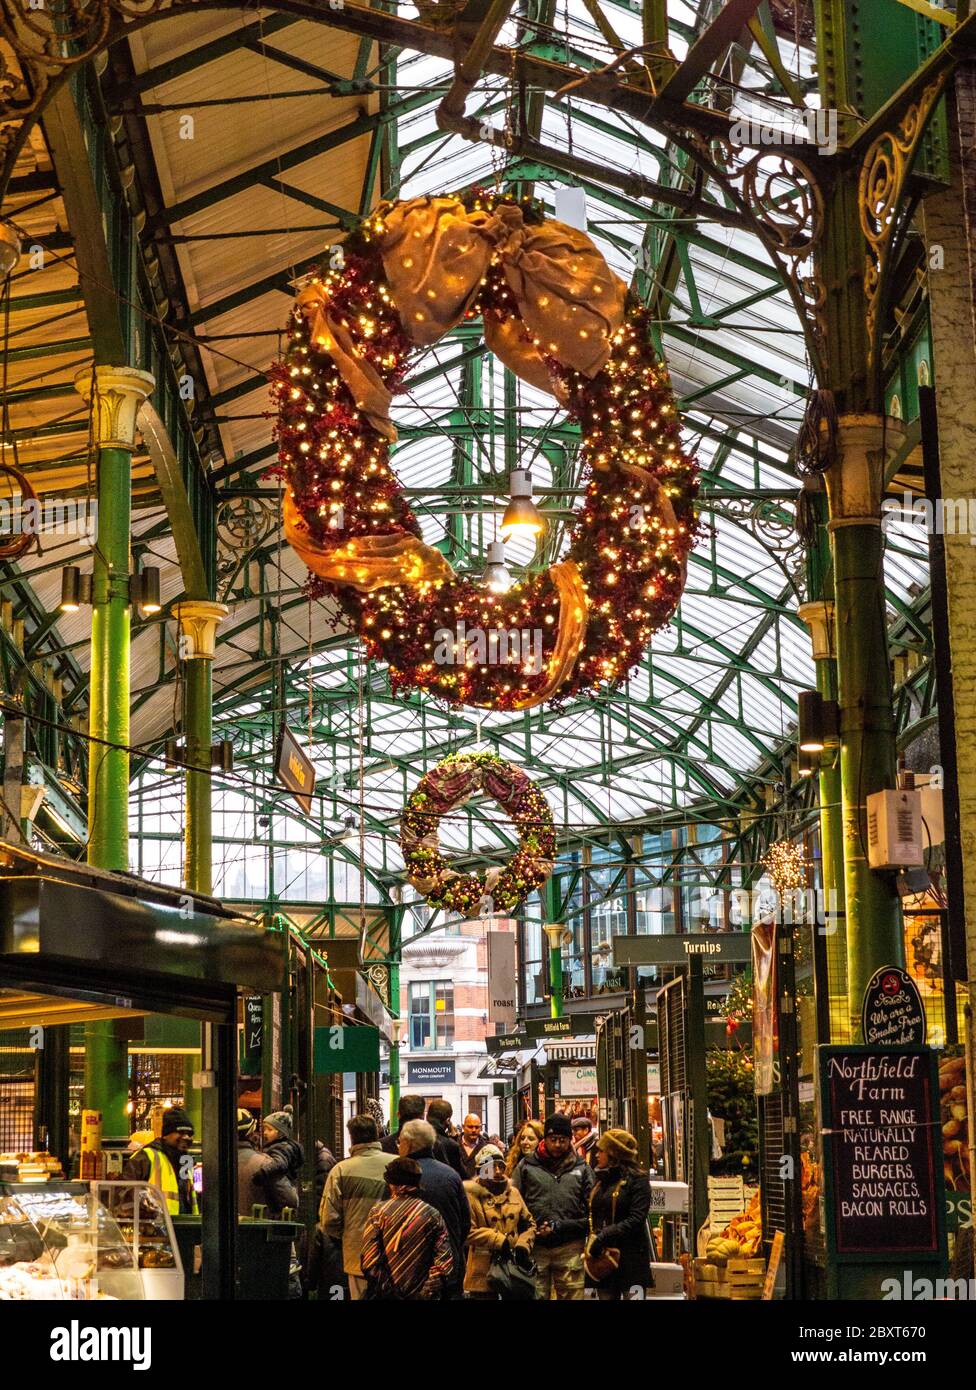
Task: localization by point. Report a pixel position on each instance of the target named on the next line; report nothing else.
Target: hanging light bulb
(522, 519)
(349, 829)
(496, 576)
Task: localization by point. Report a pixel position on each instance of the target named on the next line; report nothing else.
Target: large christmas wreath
(446, 788)
(558, 316)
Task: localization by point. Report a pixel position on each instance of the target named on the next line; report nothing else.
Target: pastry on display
(33, 1281)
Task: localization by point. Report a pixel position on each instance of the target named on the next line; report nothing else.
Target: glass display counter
(76, 1240)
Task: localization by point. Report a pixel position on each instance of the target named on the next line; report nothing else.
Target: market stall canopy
(84, 933)
(19, 1009)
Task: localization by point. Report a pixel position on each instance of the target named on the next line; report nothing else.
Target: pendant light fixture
(144, 590)
(496, 576)
(522, 519)
(75, 589)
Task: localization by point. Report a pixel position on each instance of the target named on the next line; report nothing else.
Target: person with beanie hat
(165, 1163)
(280, 1178)
(618, 1250)
(555, 1186)
(501, 1223)
(584, 1139)
(278, 1125)
(250, 1163)
(285, 1160)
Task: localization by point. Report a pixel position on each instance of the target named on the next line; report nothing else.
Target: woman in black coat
(619, 1204)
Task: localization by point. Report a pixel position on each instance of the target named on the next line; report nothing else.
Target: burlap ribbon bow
(436, 255)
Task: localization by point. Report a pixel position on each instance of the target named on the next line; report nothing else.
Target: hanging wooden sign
(295, 770)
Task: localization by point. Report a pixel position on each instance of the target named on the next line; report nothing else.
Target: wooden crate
(746, 1278)
(726, 1198)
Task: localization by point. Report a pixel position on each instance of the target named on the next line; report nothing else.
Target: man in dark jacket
(446, 1147)
(473, 1140)
(250, 1163)
(555, 1185)
(410, 1108)
(441, 1188)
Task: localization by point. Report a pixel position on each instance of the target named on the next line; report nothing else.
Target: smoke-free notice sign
(882, 1150)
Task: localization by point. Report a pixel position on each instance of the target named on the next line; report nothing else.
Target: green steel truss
(703, 728)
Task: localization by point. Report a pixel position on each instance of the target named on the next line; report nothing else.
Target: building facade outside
(444, 1003)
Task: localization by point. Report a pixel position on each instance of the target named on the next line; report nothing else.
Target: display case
(74, 1240)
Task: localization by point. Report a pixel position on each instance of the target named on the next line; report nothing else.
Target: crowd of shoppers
(429, 1212)
(561, 1215)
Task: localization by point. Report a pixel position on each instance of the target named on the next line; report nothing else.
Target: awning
(115, 941)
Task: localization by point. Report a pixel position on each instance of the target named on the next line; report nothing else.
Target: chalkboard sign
(882, 1151)
(892, 1014)
(252, 1035)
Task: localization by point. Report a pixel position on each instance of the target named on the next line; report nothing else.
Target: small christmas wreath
(442, 790)
(555, 314)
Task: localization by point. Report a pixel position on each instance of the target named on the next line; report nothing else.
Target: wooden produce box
(746, 1278)
(710, 1280)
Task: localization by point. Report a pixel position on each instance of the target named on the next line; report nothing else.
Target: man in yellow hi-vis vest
(166, 1164)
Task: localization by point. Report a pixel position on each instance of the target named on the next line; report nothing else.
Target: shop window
(530, 953)
(608, 918)
(431, 1015)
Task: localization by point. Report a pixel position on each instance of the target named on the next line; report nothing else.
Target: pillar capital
(559, 935)
(198, 620)
(855, 479)
(119, 392)
(818, 616)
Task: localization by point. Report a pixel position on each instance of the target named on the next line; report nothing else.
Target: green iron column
(398, 1027)
(558, 936)
(875, 936)
(197, 621)
(115, 401)
(818, 615)
(215, 1099)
